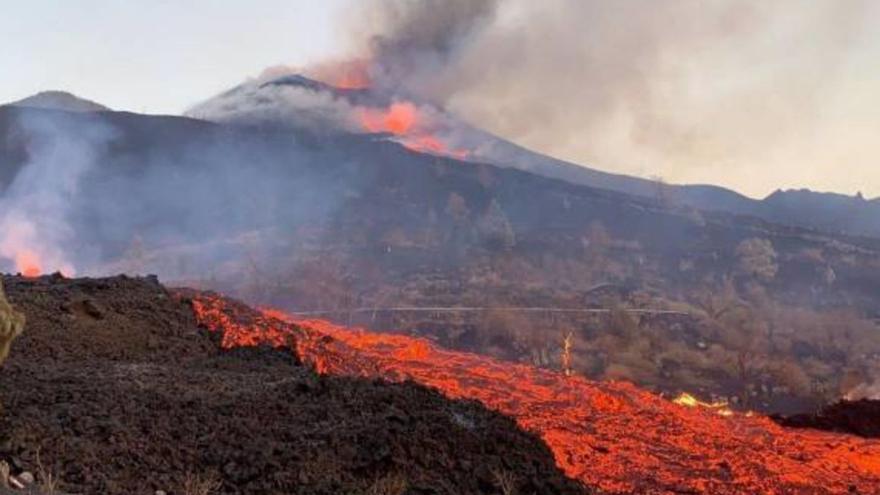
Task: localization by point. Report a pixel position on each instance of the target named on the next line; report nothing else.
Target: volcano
(300, 101)
(352, 204)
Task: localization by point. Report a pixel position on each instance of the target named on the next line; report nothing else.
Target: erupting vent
(608, 435)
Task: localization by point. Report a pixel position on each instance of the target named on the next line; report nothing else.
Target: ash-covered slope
(298, 101)
(119, 391)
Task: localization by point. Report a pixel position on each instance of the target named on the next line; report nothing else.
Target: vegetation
(11, 324)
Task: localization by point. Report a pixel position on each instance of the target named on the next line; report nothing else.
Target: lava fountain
(28, 263)
(610, 435)
(417, 127)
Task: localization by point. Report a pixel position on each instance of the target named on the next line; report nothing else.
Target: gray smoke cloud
(753, 95)
(410, 43)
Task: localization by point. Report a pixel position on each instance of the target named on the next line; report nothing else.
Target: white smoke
(869, 390)
(35, 230)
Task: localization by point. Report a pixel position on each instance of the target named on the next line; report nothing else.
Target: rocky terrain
(858, 417)
(114, 389)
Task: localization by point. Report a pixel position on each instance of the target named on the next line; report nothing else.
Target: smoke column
(34, 225)
(696, 91)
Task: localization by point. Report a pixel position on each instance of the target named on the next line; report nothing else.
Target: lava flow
(610, 435)
(407, 123)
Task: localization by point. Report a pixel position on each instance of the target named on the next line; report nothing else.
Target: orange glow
(688, 400)
(610, 435)
(404, 120)
(351, 74)
(398, 119)
(28, 264)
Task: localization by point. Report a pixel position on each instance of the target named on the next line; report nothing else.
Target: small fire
(609, 435)
(688, 400)
(28, 263)
(398, 119)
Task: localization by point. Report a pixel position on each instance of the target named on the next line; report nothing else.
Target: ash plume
(684, 89)
(412, 43)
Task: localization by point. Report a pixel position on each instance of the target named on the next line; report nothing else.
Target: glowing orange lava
(28, 264)
(610, 435)
(397, 119)
(350, 74)
(404, 120)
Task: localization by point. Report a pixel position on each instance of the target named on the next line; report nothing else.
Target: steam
(869, 390)
(35, 228)
(718, 91)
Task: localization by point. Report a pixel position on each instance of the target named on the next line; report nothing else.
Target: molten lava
(398, 118)
(608, 435)
(689, 400)
(414, 127)
(28, 264)
(408, 124)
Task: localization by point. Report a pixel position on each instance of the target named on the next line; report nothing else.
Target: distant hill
(60, 100)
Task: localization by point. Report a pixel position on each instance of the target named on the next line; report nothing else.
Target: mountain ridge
(831, 212)
(59, 100)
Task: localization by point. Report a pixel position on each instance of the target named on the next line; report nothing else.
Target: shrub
(11, 324)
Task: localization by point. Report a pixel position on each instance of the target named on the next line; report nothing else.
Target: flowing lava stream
(609, 435)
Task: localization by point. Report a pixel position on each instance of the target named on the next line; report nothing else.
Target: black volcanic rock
(860, 417)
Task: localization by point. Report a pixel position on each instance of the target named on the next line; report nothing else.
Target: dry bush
(46, 480)
(390, 484)
(200, 484)
(505, 481)
(11, 324)
(757, 258)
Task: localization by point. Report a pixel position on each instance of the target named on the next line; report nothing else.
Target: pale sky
(155, 56)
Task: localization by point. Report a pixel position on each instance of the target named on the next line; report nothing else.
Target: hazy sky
(156, 56)
(750, 94)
